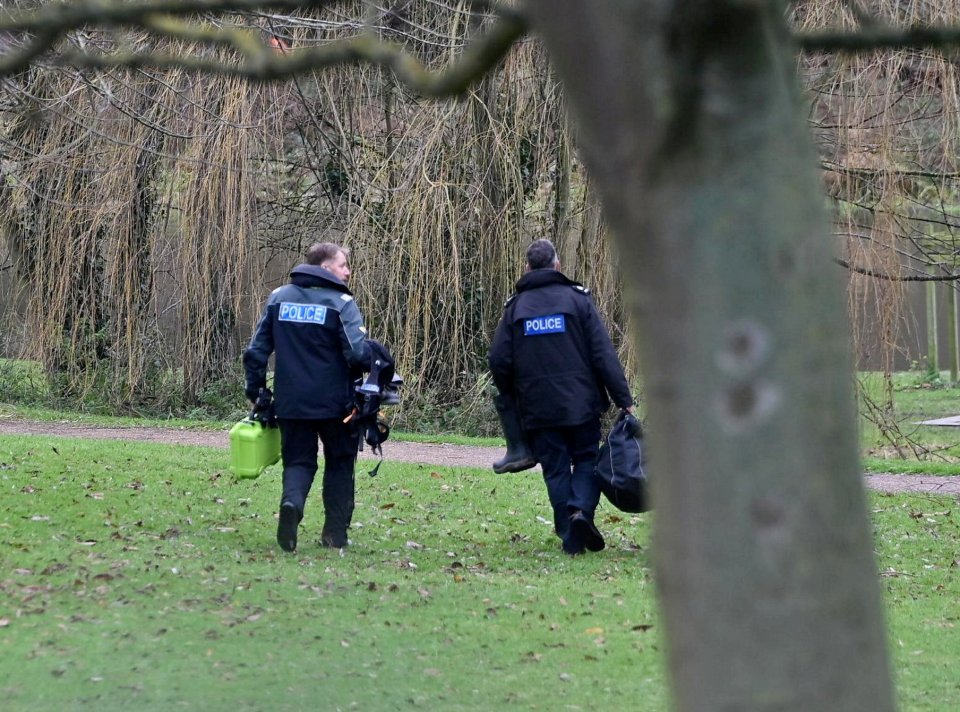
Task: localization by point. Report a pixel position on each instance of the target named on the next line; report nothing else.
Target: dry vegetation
(886, 126)
(147, 213)
(151, 212)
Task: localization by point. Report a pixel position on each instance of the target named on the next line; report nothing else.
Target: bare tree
(691, 125)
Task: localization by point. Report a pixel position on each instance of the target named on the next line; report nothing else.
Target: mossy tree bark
(691, 124)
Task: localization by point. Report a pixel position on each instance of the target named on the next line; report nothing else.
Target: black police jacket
(316, 331)
(553, 354)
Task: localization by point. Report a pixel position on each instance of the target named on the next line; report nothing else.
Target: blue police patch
(302, 313)
(550, 324)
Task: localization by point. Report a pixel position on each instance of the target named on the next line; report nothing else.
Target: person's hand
(629, 409)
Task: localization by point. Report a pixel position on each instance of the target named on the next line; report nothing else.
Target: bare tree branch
(876, 37)
(63, 17)
(896, 278)
(17, 61)
(880, 172)
(257, 60)
(261, 62)
(46, 25)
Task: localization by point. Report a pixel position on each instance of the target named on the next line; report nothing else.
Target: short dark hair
(321, 252)
(541, 254)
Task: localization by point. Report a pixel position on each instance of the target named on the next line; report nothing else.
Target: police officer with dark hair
(316, 331)
(553, 355)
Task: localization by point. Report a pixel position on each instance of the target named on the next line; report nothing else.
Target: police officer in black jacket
(316, 331)
(553, 355)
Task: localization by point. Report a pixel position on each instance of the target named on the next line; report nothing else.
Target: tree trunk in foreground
(690, 122)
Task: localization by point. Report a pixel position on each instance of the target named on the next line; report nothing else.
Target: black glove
(263, 408)
(263, 399)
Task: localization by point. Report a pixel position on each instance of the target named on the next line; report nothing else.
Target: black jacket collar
(312, 276)
(542, 278)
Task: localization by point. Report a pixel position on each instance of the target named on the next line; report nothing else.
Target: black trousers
(568, 456)
(299, 449)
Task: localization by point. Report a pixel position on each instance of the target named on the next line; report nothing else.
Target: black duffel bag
(621, 469)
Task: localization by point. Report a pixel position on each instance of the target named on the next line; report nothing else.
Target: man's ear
(556, 266)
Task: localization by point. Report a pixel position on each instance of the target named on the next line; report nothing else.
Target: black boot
(287, 525)
(518, 455)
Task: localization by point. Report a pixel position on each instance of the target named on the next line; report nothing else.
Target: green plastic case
(253, 448)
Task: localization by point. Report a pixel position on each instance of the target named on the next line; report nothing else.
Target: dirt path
(397, 450)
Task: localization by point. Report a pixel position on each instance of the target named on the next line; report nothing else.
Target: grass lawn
(143, 577)
(918, 544)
